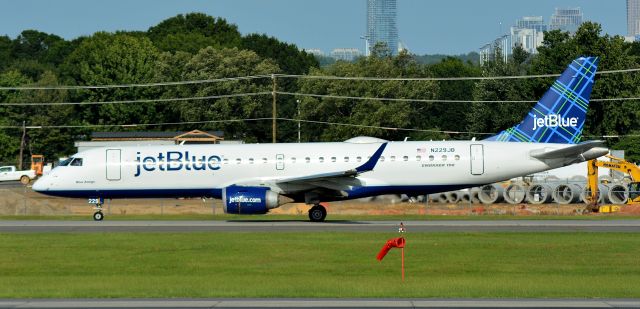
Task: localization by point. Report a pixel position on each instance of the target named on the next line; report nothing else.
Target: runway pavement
(304, 226)
(323, 303)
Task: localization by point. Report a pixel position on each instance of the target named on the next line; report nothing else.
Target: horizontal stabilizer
(572, 154)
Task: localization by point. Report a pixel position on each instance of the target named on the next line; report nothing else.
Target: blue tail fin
(560, 115)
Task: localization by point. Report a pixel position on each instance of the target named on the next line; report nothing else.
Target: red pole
(402, 264)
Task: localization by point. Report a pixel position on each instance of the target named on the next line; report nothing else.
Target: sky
(424, 26)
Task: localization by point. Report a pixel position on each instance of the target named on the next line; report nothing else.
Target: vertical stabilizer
(560, 115)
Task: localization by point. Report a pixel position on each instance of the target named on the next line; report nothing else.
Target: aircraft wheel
(25, 180)
(317, 213)
(98, 216)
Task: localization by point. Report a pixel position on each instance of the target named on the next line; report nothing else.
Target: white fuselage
(204, 170)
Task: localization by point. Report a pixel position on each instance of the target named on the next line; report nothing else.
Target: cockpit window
(76, 162)
(66, 162)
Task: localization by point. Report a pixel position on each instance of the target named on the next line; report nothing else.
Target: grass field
(501, 265)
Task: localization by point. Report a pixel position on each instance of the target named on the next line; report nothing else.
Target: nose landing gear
(97, 216)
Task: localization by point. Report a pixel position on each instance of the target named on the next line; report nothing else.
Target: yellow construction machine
(616, 164)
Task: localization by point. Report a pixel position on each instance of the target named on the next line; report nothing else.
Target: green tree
(5, 52)
(289, 58)
(10, 138)
(368, 112)
(51, 142)
(192, 32)
(211, 63)
(453, 116)
(105, 59)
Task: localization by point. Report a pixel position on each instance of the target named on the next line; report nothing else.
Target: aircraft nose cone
(40, 184)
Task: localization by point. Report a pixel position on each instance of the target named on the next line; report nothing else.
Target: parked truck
(9, 173)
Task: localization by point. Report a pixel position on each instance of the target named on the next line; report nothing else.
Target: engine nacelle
(251, 200)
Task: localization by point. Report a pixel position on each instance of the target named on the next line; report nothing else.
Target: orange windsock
(391, 243)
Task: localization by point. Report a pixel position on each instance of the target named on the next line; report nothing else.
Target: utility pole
(24, 133)
(273, 110)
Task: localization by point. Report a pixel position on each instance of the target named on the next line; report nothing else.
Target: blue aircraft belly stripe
(357, 192)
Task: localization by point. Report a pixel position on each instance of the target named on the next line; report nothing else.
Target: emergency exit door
(279, 162)
(113, 164)
(477, 159)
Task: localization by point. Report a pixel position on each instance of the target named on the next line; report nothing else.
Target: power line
(233, 120)
(132, 125)
(159, 84)
(295, 94)
(384, 127)
(280, 119)
(363, 78)
(325, 77)
(331, 96)
(246, 94)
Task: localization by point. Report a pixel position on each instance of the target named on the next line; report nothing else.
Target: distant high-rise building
(381, 24)
(346, 54)
(314, 51)
(566, 19)
(528, 32)
(531, 22)
(633, 18)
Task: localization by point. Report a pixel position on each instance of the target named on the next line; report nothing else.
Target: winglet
(371, 163)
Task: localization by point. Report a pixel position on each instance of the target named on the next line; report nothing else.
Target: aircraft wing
(316, 178)
(573, 154)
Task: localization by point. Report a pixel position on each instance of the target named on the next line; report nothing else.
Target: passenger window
(250, 160)
(293, 160)
(346, 159)
(444, 157)
(431, 158)
(76, 162)
(393, 158)
(381, 158)
(307, 159)
(418, 158)
(358, 159)
(5, 169)
(238, 161)
(321, 159)
(457, 157)
(264, 160)
(405, 158)
(333, 159)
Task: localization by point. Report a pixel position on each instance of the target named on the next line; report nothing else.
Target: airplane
(254, 178)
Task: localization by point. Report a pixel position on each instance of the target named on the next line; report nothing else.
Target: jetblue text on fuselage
(553, 121)
(172, 161)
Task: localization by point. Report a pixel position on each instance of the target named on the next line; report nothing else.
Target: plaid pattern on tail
(560, 115)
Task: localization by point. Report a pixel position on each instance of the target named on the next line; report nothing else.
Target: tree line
(200, 47)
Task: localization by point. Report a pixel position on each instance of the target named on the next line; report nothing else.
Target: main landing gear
(317, 213)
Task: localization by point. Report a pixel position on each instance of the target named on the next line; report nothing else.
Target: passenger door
(477, 159)
(113, 164)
